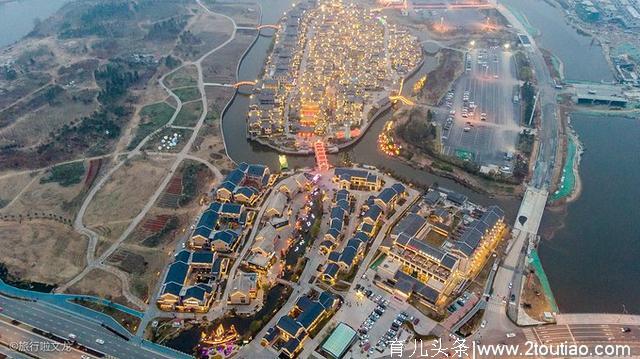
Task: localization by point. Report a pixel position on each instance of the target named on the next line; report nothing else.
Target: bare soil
(127, 190)
(31, 250)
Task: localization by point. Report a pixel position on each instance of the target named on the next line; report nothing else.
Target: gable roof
(227, 236)
(202, 257)
(409, 225)
(182, 256)
(399, 188)
(362, 236)
(327, 299)
(334, 256)
(331, 270)
(310, 314)
(288, 325)
(177, 272)
(373, 212)
(347, 256)
(387, 195)
(171, 288)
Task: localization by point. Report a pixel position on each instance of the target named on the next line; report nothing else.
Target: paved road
(14, 337)
(549, 127)
(62, 323)
(183, 154)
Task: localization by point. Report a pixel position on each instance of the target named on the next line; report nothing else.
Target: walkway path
(92, 262)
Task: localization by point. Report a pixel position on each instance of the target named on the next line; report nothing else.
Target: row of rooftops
(338, 212)
(347, 256)
(296, 329)
(175, 280)
(473, 234)
(348, 174)
(245, 175)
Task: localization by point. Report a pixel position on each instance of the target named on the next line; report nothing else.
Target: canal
(364, 151)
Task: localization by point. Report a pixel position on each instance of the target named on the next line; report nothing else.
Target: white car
(100, 341)
(483, 324)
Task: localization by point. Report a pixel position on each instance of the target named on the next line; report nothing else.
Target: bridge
(400, 97)
(268, 26)
(260, 27)
(408, 5)
(244, 83)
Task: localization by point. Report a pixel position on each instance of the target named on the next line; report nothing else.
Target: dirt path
(79, 226)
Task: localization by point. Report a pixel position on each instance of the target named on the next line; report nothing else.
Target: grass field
(101, 284)
(127, 190)
(185, 76)
(42, 251)
(187, 94)
(65, 175)
(48, 198)
(152, 117)
(189, 114)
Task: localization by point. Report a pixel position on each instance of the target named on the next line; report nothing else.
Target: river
(583, 59)
(592, 260)
(591, 263)
(17, 17)
(590, 250)
(364, 151)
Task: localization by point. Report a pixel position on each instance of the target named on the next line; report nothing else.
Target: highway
(489, 81)
(31, 344)
(62, 323)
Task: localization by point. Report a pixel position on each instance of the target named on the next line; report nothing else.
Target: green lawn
(189, 114)
(65, 175)
(187, 93)
(183, 77)
(153, 117)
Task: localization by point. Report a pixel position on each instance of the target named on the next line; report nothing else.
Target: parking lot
(481, 121)
(382, 323)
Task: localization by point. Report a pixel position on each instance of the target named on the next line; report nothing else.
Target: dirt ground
(243, 14)
(109, 233)
(31, 250)
(533, 299)
(127, 190)
(11, 186)
(209, 31)
(221, 66)
(101, 284)
(209, 144)
(47, 198)
(144, 265)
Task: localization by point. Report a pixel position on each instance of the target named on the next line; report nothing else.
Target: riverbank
(590, 244)
(570, 186)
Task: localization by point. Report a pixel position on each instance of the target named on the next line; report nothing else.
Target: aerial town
(333, 66)
(319, 179)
